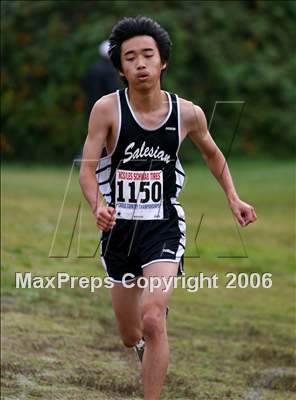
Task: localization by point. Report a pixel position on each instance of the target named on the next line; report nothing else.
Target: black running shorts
(133, 245)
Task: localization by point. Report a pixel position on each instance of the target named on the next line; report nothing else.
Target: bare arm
(200, 136)
(98, 129)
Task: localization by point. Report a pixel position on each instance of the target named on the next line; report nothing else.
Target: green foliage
(222, 51)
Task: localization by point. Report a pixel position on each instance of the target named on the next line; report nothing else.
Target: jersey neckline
(139, 123)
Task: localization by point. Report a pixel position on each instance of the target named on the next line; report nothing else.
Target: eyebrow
(129, 52)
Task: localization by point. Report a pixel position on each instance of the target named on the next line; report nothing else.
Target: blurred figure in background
(101, 78)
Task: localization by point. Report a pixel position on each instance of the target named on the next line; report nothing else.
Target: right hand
(105, 218)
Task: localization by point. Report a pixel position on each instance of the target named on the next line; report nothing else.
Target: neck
(146, 100)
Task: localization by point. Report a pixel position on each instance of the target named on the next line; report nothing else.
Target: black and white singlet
(142, 179)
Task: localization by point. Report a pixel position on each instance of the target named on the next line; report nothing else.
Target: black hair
(129, 27)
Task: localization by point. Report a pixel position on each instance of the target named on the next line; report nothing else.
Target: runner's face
(141, 63)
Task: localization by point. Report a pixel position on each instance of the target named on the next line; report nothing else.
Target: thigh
(126, 304)
(160, 296)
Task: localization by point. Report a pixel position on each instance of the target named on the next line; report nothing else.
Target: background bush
(222, 51)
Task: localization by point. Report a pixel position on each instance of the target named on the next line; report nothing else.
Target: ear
(164, 66)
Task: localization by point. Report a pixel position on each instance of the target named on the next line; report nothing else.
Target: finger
(104, 227)
(103, 221)
(101, 225)
(111, 218)
(251, 215)
(248, 217)
(111, 210)
(251, 219)
(240, 219)
(108, 228)
(109, 222)
(112, 213)
(106, 216)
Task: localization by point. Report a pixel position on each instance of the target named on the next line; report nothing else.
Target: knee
(153, 321)
(129, 339)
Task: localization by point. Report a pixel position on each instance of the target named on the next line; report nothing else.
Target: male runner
(140, 130)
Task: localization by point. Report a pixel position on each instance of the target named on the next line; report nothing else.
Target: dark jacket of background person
(101, 79)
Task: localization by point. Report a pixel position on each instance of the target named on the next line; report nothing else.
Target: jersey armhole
(118, 128)
(179, 122)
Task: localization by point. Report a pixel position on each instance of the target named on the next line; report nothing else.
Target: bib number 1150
(146, 192)
(139, 194)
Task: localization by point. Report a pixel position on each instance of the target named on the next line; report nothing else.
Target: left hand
(244, 213)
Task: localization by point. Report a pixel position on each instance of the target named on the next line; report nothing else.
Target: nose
(141, 63)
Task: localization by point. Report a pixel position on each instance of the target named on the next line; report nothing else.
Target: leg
(126, 305)
(156, 355)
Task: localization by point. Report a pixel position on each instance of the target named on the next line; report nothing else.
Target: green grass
(225, 343)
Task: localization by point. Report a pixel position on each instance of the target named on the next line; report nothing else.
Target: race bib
(139, 194)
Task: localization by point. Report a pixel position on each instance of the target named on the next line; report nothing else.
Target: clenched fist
(105, 218)
(244, 212)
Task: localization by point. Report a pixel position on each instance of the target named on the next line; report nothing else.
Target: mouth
(143, 76)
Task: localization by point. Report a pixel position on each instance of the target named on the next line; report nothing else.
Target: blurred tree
(222, 51)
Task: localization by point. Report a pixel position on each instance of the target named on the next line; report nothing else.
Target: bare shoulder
(190, 112)
(192, 116)
(104, 120)
(105, 107)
